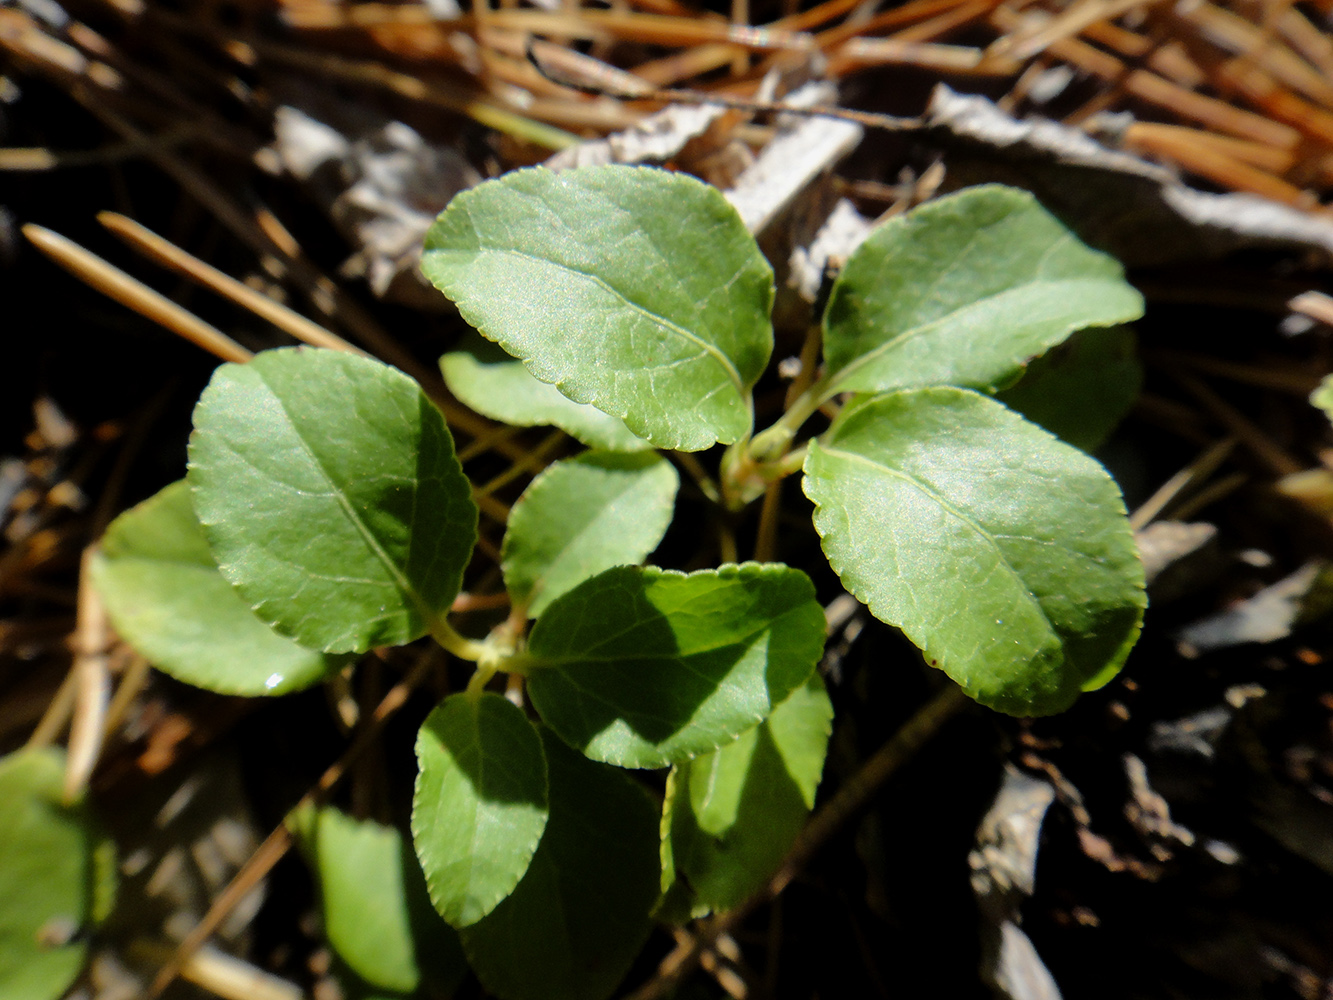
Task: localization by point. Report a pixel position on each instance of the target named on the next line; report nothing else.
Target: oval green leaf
(48, 878)
(480, 803)
(496, 385)
(731, 816)
(1081, 389)
(633, 289)
(331, 497)
(572, 928)
(377, 915)
(581, 516)
(648, 667)
(166, 598)
(962, 291)
(1000, 551)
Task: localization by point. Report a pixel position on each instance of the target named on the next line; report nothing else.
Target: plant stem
(477, 682)
(766, 539)
(465, 649)
(854, 795)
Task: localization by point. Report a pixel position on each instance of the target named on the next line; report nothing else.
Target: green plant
(326, 514)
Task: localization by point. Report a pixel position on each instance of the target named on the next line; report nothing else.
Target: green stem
(771, 443)
(480, 678)
(465, 649)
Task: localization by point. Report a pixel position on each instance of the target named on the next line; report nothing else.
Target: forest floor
(1169, 837)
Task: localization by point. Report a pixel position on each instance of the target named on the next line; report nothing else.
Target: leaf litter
(1190, 140)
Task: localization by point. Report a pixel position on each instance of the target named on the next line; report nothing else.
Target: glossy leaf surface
(962, 291)
(329, 492)
(480, 805)
(574, 925)
(584, 515)
(47, 875)
(167, 599)
(648, 667)
(731, 815)
(1002, 552)
(377, 914)
(496, 385)
(633, 289)
(1081, 389)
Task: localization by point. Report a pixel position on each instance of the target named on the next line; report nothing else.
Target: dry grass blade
(1196, 472)
(1068, 23)
(92, 638)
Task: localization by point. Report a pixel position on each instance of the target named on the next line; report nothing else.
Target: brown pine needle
(115, 283)
(168, 254)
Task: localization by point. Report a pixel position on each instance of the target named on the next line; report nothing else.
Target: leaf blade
(166, 598)
(480, 803)
(647, 667)
(962, 291)
(46, 898)
(377, 913)
(571, 929)
(496, 385)
(1028, 553)
(651, 274)
(329, 492)
(730, 816)
(582, 516)
(1081, 389)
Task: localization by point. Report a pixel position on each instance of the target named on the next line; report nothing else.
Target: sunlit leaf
(328, 489)
(964, 290)
(167, 599)
(633, 289)
(584, 515)
(480, 805)
(1002, 552)
(575, 923)
(648, 667)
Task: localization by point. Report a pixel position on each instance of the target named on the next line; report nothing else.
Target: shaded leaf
(378, 917)
(636, 290)
(1003, 553)
(962, 291)
(584, 515)
(480, 804)
(496, 385)
(329, 492)
(648, 667)
(1081, 389)
(572, 928)
(731, 815)
(167, 599)
(49, 878)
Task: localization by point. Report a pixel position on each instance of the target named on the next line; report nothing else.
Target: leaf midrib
(398, 578)
(959, 515)
(711, 349)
